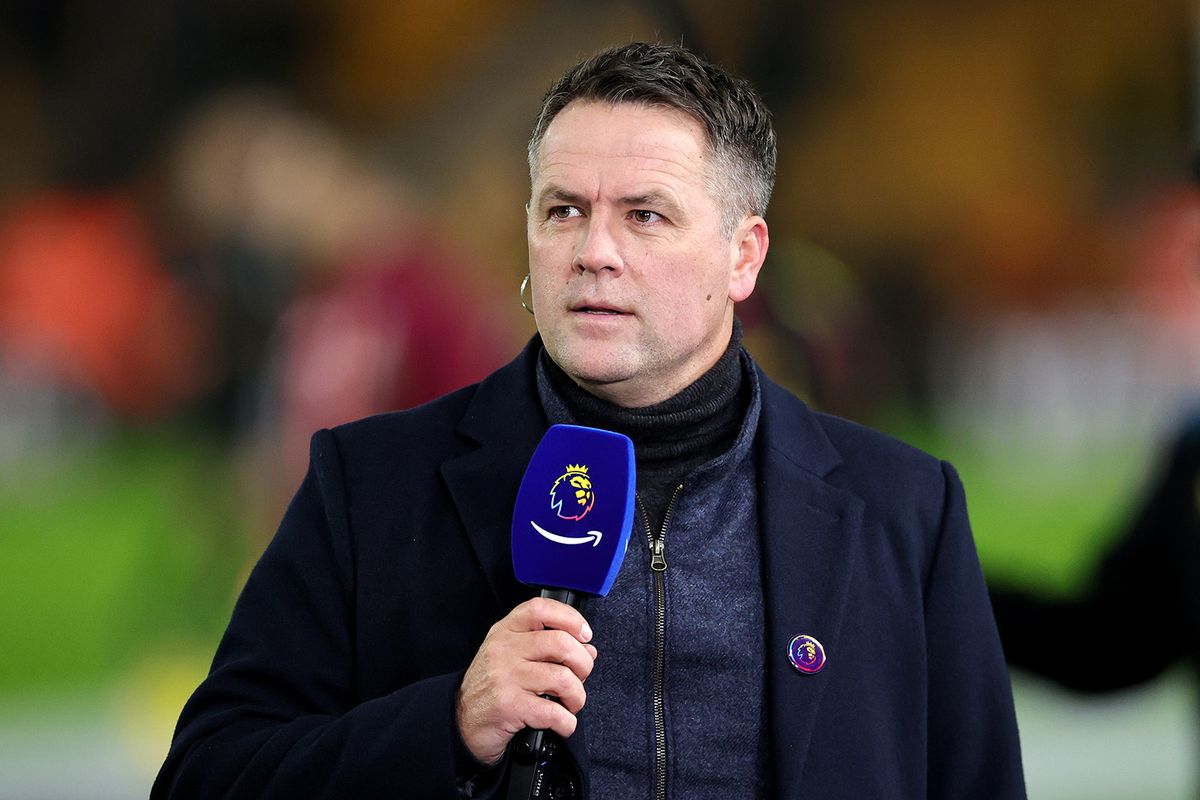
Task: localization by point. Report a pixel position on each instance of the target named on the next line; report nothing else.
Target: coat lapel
(810, 531)
(506, 421)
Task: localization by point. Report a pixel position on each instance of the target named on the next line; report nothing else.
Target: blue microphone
(570, 528)
(574, 511)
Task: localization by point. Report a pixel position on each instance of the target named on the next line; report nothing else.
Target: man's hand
(539, 648)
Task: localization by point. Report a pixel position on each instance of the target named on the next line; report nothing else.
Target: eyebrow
(560, 195)
(652, 200)
(646, 199)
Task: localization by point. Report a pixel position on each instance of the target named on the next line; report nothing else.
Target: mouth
(598, 309)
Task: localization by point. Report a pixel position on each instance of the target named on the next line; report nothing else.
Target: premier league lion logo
(571, 496)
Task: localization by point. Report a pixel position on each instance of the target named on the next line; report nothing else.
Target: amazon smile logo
(591, 536)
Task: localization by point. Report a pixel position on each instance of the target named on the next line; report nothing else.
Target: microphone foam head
(574, 510)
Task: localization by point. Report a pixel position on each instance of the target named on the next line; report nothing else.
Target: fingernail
(586, 631)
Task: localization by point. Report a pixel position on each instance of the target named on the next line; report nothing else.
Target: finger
(554, 680)
(558, 647)
(542, 612)
(550, 707)
(543, 714)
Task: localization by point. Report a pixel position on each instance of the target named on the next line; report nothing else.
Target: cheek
(541, 265)
(681, 313)
(704, 290)
(540, 293)
(549, 255)
(537, 250)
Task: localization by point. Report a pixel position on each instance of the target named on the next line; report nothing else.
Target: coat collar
(505, 420)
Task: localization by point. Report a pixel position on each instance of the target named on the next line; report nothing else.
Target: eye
(644, 217)
(564, 212)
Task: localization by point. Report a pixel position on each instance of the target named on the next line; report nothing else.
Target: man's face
(633, 279)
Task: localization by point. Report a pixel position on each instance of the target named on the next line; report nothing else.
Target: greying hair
(737, 125)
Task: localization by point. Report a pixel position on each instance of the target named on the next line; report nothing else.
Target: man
(817, 626)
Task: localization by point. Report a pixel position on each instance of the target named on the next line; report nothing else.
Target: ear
(749, 245)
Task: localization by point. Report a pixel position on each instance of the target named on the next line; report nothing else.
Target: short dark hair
(737, 124)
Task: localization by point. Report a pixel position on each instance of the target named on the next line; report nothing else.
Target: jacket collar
(506, 422)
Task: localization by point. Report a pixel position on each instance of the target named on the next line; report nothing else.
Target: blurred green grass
(111, 550)
(1041, 520)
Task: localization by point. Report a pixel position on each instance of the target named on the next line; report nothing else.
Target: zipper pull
(658, 562)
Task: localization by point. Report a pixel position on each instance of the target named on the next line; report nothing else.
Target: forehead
(622, 141)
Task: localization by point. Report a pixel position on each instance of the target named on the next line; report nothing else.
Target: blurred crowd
(242, 265)
(271, 216)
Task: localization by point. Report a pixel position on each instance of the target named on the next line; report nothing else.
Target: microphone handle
(569, 596)
(531, 746)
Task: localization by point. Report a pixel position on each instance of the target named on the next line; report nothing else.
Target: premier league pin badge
(806, 654)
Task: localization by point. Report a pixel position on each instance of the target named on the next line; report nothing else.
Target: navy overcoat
(337, 675)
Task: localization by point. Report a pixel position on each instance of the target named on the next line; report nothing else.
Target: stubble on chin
(593, 366)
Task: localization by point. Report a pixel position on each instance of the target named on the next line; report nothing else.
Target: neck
(707, 409)
(644, 391)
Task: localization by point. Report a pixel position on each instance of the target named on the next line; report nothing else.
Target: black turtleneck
(670, 438)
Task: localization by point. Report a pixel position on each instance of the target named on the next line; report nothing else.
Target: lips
(599, 309)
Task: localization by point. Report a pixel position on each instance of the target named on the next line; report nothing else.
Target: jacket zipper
(658, 565)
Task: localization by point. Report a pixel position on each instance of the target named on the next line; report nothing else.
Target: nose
(597, 250)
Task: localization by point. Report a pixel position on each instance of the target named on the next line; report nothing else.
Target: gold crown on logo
(577, 468)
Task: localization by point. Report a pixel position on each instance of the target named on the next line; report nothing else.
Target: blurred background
(224, 224)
